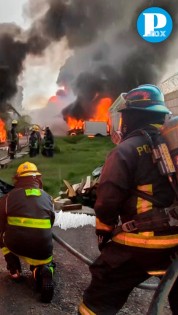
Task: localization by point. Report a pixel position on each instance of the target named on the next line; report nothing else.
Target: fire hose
(161, 290)
(164, 287)
(87, 261)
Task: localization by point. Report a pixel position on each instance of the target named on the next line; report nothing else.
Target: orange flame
(3, 134)
(101, 114)
(74, 123)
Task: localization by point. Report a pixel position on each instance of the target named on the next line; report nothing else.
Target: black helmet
(145, 97)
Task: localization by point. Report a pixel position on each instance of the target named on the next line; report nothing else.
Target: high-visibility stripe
(36, 262)
(142, 204)
(146, 233)
(29, 222)
(32, 192)
(140, 240)
(5, 250)
(101, 226)
(30, 261)
(85, 310)
(158, 126)
(157, 273)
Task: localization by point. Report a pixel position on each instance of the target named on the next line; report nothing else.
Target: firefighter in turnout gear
(33, 142)
(48, 143)
(13, 139)
(134, 241)
(26, 220)
(36, 128)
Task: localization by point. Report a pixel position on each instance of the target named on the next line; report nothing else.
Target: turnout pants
(117, 271)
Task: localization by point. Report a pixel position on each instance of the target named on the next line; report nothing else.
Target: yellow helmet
(27, 169)
(14, 122)
(36, 128)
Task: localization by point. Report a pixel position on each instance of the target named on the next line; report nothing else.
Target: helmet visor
(120, 103)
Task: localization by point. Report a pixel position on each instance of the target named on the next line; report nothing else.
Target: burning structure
(99, 113)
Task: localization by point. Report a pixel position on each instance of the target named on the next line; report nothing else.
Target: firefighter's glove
(103, 238)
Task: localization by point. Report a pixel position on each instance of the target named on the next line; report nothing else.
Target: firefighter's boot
(36, 276)
(47, 284)
(13, 265)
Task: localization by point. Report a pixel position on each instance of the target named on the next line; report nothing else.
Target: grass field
(75, 157)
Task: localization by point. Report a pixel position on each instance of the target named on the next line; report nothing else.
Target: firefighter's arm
(112, 191)
(104, 233)
(52, 212)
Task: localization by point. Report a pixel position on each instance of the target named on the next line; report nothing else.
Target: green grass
(75, 157)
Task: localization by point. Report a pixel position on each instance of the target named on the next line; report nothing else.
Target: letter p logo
(154, 21)
(154, 25)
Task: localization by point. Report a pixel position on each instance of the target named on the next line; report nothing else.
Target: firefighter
(131, 188)
(39, 138)
(33, 143)
(13, 139)
(26, 220)
(48, 143)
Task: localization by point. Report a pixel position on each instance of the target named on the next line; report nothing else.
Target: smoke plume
(109, 56)
(120, 62)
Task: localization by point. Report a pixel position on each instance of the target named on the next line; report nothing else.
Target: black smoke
(77, 20)
(119, 64)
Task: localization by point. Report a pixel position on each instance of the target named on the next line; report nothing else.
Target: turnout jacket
(26, 219)
(130, 167)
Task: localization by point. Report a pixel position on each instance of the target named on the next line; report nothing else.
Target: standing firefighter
(39, 138)
(13, 139)
(33, 143)
(48, 143)
(26, 220)
(135, 236)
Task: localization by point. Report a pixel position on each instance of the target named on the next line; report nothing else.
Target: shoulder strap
(147, 197)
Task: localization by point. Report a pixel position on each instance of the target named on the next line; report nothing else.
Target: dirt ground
(71, 278)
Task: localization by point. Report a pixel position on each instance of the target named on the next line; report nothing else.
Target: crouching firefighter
(136, 212)
(26, 220)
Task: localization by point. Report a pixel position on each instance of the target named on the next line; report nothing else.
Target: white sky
(11, 11)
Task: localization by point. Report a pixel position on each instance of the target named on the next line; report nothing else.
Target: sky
(11, 11)
(39, 82)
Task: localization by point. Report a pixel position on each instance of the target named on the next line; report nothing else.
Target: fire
(102, 108)
(101, 114)
(74, 123)
(3, 134)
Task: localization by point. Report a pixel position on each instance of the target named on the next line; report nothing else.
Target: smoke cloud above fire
(108, 57)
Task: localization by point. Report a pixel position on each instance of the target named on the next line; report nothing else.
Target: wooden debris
(71, 191)
(74, 206)
(59, 203)
(79, 194)
(79, 190)
(87, 184)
